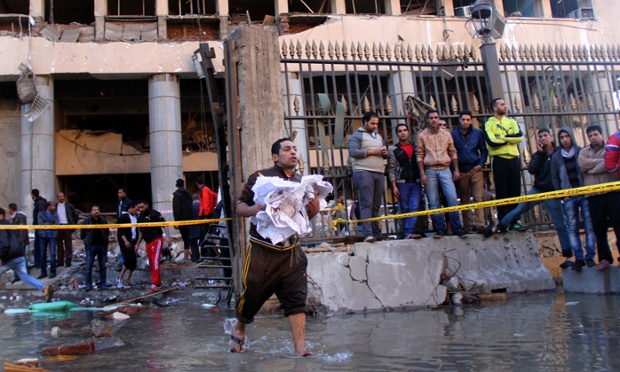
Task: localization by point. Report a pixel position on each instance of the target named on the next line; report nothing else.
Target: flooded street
(529, 332)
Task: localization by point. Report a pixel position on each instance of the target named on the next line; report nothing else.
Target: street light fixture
(484, 18)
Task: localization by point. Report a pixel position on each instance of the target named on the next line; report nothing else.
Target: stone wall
(423, 273)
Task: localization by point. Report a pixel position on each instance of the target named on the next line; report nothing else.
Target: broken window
(139, 8)
(257, 10)
(419, 7)
(578, 9)
(14, 7)
(191, 7)
(69, 11)
(462, 7)
(309, 6)
(523, 8)
(365, 7)
(14, 17)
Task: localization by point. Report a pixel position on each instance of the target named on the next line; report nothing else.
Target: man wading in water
(273, 268)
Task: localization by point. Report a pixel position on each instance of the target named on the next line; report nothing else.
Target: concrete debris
(28, 362)
(108, 343)
(120, 316)
(81, 348)
(101, 328)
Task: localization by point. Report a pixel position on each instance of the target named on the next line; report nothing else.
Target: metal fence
(327, 89)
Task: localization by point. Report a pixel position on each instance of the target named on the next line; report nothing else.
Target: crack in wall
(367, 282)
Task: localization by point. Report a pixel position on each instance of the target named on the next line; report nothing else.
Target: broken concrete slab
(70, 35)
(590, 280)
(406, 273)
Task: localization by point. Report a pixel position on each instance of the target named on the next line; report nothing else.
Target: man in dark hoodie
(566, 174)
(405, 177)
(182, 211)
(540, 168)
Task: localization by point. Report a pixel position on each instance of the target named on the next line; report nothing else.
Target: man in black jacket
(12, 257)
(96, 245)
(182, 211)
(540, 168)
(67, 215)
(154, 239)
(404, 175)
(38, 205)
(127, 238)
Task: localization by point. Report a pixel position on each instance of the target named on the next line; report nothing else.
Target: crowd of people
(54, 247)
(448, 167)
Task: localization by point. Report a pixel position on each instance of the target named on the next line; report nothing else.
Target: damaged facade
(126, 106)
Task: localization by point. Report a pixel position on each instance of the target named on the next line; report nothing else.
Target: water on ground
(539, 332)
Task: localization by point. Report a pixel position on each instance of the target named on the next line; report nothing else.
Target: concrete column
(338, 7)
(162, 11)
(37, 9)
(599, 94)
(37, 157)
(221, 8)
(281, 7)
(165, 138)
(161, 8)
(545, 7)
(499, 5)
(400, 86)
(260, 96)
(101, 10)
(392, 7)
(292, 89)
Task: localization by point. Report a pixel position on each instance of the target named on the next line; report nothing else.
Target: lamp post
(483, 18)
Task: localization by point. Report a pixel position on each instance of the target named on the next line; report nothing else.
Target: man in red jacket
(208, 201)
(612, 153)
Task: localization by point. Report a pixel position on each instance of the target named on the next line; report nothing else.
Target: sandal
(240, 342)
(416, 236)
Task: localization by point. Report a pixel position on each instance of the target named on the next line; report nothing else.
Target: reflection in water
(536, 332)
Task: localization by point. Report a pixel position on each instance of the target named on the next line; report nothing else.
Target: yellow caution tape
(111, 225)
(584, 190)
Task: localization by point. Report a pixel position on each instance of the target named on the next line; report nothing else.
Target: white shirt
(133, 219)
(62, 213)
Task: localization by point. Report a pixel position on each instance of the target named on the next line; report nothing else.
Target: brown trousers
(64, 247)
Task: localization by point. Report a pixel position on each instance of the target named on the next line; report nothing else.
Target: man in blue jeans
(96, 245)
(48, 239)
(566, 174)
(12, 257)
(435, 152)
(540, 168)
(404, 175)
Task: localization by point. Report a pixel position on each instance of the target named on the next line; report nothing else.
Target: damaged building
(118, 101)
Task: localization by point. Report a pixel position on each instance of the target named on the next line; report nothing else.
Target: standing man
(435, 152)
(123, 202)
(48, 239)
(273, 268)
(96, 241)
(127, 238)
(67, 215)
(154, 238)
(612, 153)
(368, 153)
(194, 230)
(38, 206)
(604, 207)
(472, 154)
(503, 135)
(182, 211)
(12, 257)
(404, 175)
(540, 168)
(566, 174)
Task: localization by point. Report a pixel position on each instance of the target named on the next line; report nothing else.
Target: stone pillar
(545, 8)
(37, 10)
(291, 90)
(165, 138)
(392, 7)
(338, 7)
(101, 10)
(599, 93)
(162, 11)
(499, 6)
(221, 8)
(37, 157)
(260, 96)
(400, 86)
